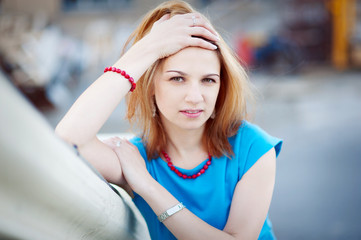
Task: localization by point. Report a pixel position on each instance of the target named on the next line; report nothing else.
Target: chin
(193, 126)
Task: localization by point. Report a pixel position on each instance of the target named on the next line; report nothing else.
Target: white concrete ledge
(46, 191)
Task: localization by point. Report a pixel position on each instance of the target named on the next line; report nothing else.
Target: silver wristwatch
(170, 212)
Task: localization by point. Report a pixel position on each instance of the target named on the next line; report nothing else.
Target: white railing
(46, 190)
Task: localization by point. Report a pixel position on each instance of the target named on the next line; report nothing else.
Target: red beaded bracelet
(124, 74)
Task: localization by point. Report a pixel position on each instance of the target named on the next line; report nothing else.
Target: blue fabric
(209, 196)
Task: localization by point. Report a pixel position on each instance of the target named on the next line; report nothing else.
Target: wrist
(146, 187)
(158, 198)
(124, 74)
(150, 48)
(138, 58)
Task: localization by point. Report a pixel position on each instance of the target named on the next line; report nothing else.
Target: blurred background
(303, 56)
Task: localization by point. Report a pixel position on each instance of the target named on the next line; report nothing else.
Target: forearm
(91, 110)
(183, 224)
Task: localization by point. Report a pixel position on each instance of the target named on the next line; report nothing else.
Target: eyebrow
(184, 74)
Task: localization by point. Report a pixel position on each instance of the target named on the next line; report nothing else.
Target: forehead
(193, 58)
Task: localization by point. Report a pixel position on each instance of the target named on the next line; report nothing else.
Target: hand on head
(171, 34)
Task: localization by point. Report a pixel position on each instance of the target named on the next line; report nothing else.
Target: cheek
(212, 96)
(165, 97)
(158, 92)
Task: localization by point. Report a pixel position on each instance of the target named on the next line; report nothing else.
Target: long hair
(230, 107)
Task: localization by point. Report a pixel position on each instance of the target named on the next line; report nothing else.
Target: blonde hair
(231, 102)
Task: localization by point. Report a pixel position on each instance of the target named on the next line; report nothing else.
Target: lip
(192, 113)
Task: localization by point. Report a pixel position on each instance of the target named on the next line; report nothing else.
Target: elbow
(59, 131)
(72, 136)
(64, 135)
(243, 234)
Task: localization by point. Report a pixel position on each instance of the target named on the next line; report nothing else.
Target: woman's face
(186, 88)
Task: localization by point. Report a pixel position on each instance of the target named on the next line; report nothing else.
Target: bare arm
(250, 203)
(90, 111)
(252, 198)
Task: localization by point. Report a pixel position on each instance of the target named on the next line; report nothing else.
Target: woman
(198, 170)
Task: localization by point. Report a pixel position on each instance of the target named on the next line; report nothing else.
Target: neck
(182, 144)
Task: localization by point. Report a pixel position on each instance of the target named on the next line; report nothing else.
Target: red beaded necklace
(185, 176)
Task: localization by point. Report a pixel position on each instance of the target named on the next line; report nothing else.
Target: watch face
(170, 212)
(163, 216)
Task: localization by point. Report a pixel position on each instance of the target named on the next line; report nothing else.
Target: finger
(204, 33)
(199, 42)
(163, 18)
(130, 144)
(197, 20)
(109, 141)
(118, 142)
(208, 26)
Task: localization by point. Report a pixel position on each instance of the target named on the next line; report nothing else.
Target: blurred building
(49, 44)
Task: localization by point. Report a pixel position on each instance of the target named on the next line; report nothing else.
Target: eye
(177, 79)
(208, 80)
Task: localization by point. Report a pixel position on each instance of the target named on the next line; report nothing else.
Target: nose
(194, 94)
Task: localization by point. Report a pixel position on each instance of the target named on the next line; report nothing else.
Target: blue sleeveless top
(209, 196)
